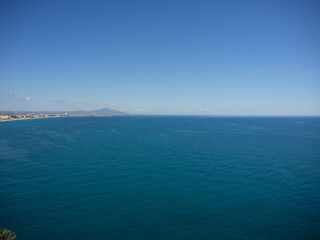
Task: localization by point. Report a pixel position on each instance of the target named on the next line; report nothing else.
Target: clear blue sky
(161, 57)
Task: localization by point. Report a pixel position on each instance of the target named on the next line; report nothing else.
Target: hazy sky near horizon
(161, 57)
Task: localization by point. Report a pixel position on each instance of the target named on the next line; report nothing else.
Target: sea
(161, 177)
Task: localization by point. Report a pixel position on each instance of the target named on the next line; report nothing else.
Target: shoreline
(17, 119)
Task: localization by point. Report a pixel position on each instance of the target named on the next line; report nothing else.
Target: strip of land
(14, 117)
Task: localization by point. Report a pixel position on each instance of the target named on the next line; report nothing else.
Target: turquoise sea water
(161, 178)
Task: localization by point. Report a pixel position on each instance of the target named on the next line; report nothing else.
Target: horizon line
(168, 114)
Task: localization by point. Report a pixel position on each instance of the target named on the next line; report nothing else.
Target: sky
(162, 56)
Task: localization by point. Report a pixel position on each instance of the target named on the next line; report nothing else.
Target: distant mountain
(99, 111)
(106, 111)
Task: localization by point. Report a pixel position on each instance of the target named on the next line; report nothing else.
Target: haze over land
(106, 111)
(161, 57)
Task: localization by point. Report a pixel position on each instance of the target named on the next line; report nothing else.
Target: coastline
(70, 116)
(17, 119)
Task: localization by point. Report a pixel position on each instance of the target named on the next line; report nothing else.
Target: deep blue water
(161, 178)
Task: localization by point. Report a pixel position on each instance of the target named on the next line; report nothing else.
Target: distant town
(10, 116)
